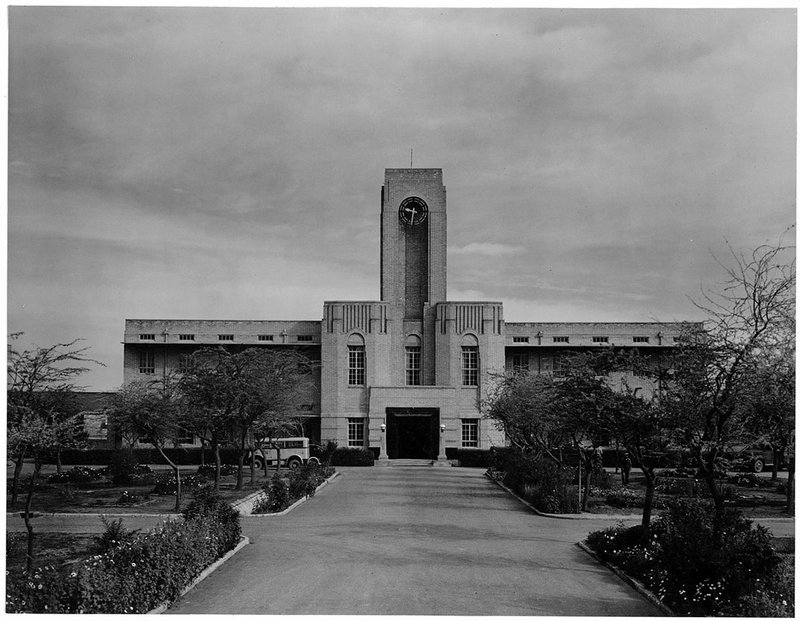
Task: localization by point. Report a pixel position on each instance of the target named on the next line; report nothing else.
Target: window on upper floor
(521, 339)
(147, 337)
(641, 339)
(186, 337)
(469, 365)
(305, 338)
(356, 365)
(225, 337)
(599, 339)
(265, 337)
(560, 339)
(413, 365)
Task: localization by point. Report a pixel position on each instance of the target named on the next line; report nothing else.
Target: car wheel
(313, 460)
(294, 463)
(258, 463)
(758, 465)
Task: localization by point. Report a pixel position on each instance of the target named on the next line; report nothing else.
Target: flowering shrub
(126, 498)
(691, 572)
(624, 498)
(114, 534)
(304, 481)
(137, 575)
(210, 470)
(275, 496)
(748, 480)
(678, 486)
(78, 474)
(166, 483)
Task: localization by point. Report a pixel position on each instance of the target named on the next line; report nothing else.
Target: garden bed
(101, 495)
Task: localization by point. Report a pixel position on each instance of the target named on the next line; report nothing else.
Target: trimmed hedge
(352, 457)
(181, 456)
(137, 575)
(471, 458)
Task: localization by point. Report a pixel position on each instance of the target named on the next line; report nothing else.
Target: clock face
(413, 211)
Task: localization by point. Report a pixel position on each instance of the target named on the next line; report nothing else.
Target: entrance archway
(412, 433)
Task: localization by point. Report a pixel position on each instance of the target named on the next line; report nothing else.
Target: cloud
(486, 249)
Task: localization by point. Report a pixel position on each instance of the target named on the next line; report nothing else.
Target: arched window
(469, 360)
(356, 360)
(413, 360)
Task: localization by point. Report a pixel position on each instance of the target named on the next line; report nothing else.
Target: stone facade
(404, 374)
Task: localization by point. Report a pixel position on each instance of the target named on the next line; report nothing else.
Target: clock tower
(413, 241)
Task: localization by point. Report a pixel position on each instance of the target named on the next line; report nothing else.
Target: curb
(564, 516)
(202, 576)
(637, 586)
(250, 500)
(37, 514)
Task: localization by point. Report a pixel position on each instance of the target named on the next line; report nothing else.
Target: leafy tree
(150, 411)
(711, 394)
(42, 411)
(521, 406)
(244, 396)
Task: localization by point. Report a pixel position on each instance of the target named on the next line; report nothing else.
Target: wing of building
(412, 361)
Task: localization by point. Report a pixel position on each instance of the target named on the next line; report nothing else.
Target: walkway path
(403, 541)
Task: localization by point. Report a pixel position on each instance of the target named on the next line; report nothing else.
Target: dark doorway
(412, 433)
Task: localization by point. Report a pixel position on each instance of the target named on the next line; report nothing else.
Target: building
(403, 374)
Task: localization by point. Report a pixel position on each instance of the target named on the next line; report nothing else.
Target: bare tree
(711, 391)
(42, 411)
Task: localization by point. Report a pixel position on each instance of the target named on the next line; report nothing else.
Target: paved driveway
(413, 540)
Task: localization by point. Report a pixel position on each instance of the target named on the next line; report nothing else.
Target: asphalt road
(404, 541)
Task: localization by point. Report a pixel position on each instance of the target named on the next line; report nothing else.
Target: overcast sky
(227, 164)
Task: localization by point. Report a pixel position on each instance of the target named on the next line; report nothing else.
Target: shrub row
(346, 456)
(739, 575)
(137, 575)
(471, 458)
(304, 481)
(181, 456)
(538, 479)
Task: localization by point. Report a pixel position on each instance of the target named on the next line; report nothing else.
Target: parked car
(293, 453)
(751, 457)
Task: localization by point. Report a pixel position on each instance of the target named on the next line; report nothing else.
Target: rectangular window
(147, 362)
(641, 339)
(599, 339)
(413, 361)
(355, 432)
(469, 366)
(519, 363)
(521, 339)
(356, 365)
(147, 337)
(264, 337)
(186, 337)
(560, 339)
(305, 338)
(469, 433)
(226, 337)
